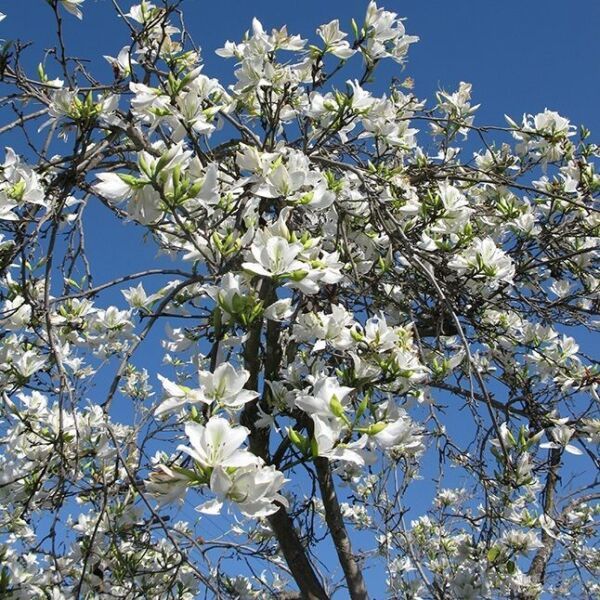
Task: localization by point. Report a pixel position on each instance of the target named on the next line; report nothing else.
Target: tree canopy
(375, 335)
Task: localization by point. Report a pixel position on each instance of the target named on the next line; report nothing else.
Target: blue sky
(520, 55)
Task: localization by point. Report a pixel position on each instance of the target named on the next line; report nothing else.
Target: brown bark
(335, 522)
(295, 556)
(537, 570)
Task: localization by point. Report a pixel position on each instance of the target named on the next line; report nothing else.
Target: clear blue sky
(520, 55)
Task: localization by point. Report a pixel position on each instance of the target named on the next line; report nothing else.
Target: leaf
(493, 554)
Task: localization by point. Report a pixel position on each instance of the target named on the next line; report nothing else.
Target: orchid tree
(369, 365)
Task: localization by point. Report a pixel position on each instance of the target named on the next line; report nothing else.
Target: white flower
(166, 485)
(281, 182)
(145, 206)
(402, 433)
(281, 310)
(225, 386)
(142, 12)
(250, 158)
(548, 524)
(326, 435)
(385, 35)
(551, 123)
(112, 319)
(363, 369)
(192, 116)
(324, 269)
(177, 340)
(176, 396)
(456, 210)
(591, 428)
(486, 260)
(218, 444)
(148, 102)
(15, 313)
(379, 335)
(457, 107)
(112, 186)
(72, 6)
(561, 288)
(334, 40)
(561, 434)
(122, 63)
(137, 298)
(333, 328)
(327, 399)
(6, 209)
(543, 135)
(254, 489)
(276, 257)
(28, 363)
(521, 541)
(229, 293)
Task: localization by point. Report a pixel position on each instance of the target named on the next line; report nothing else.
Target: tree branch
(335, 522)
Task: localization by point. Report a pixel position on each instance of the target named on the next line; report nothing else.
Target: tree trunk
(333, 516)
(283, 527)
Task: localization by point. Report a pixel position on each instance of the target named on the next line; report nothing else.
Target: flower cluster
(366, 319)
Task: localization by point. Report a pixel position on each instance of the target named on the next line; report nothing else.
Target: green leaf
(493, 554)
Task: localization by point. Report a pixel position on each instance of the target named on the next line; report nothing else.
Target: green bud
(314, 447)
(298, 275)
(361, 408)
(176, 175)
(194, 190)
(298, 440)
(376, 428)
(336, 407)
(130, 180)
(356, 335)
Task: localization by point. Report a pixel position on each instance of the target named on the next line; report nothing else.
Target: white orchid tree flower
(218, 444)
